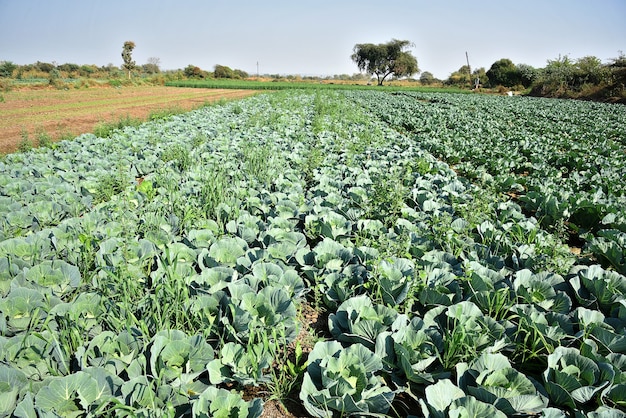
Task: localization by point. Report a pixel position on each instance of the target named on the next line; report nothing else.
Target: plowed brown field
(29, 112)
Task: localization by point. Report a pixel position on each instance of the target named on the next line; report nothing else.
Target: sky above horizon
(309, 38)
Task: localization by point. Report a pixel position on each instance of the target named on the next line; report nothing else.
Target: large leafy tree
(129, 64)
(504, 73)
(7, 68)
(385, 59)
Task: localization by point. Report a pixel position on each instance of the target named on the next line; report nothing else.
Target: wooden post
(469, 69)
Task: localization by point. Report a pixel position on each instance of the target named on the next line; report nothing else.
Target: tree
(240, 73)
(589, 70)
(459, 77)
(528, 74)
(153, 66)
(45, 67)
(558, 74)
(427, 78)
(223, 71)
(192, 71)
(68, 67)
(7, 68)
(504, 73)
(129, 64)
(385, 59)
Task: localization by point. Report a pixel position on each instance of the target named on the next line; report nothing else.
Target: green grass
(106, 129)
(286, 85)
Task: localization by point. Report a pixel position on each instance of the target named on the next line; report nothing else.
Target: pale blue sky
(315, 37)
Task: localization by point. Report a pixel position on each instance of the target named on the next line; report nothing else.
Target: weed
(43, 138)
(25, 144)
(259, 162)
(179, 155)
(288, 371)
(162, 114)
(198, 140)
(65, 135)
(110, 185)
(106, 129)
(495, 303)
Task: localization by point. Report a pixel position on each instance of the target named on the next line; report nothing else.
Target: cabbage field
(466, 254)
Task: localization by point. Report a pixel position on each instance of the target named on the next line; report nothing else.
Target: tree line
(586, 77)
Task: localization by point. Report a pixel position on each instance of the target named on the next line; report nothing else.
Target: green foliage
(222, 71)
(192, 71)
(385, 59)
(564, 77)
(43, 138)
(461, 77)
(528, 74)
(165, 113)
(107, 129)
(178, 155)
(220, 403)
(25, 144)
(572, 380)
(344, 381)
(127, 57)
(145, 274)
(7, 68)
(504, 73)
(427, 78)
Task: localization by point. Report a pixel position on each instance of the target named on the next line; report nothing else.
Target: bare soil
(27, 113)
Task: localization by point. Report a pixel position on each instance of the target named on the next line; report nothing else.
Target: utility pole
(257, 69)
(469, 69)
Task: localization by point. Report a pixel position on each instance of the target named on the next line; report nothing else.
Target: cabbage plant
(411, 351)
(344, 381)
(445, 399)
(491, 379)
(572, 379)
(359, 320)
(220, 403)
(595, 286)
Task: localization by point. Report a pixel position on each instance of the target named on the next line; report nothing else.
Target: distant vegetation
(563, 77)
(384, 60)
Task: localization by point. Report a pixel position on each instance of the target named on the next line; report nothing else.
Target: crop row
(564, 162)
(175, 280)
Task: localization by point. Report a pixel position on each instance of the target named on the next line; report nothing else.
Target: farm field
(75, 111)
(341, 253)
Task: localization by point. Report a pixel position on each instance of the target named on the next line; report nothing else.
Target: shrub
(7, 68)
(25, 144)
(106, 129)
(43, 138)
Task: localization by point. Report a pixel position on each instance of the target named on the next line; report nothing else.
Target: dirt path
(64, 113)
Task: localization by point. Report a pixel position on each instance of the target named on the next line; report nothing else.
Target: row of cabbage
(433, 282)
(145, 303)
(563, 160)
(185, 281)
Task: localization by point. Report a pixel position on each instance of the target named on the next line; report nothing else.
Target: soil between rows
(64, 112)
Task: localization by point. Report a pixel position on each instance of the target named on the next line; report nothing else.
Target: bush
(191, 71)
(25, 144)
(43, 138)
(106, 129)
(119, 82)
(5, 85)
(7, 68)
